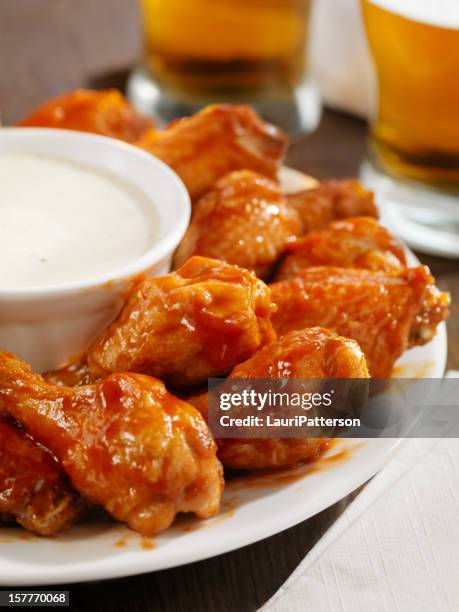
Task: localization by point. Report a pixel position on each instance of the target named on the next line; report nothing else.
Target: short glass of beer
(203, 51)
(414, 140)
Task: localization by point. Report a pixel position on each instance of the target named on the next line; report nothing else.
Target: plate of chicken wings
(107, 466)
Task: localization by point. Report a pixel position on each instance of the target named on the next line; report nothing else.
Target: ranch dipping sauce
(62, 221)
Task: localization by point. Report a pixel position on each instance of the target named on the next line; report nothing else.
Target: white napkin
(396, 547)
(340, 59)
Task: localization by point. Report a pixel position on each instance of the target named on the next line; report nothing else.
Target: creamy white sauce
(62, 221)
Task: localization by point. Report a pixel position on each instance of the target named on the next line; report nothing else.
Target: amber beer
(415, 48)
(206, 48)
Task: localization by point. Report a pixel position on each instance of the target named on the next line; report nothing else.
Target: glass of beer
(414, 140)
(204, 51)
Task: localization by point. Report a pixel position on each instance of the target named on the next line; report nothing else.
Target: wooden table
(244, 579)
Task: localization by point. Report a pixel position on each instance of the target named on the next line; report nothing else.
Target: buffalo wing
(34, 489)
(309, 353)
(332, 200)
(126, 443)
(244, 220)
(101, 112)
(188, 326)
(385, 313)
(358, 242)
(219, 139)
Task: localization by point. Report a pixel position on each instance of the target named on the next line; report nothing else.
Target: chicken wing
(187, 326)
(33, 487)
(306, 353)
(126, 443)
(332, 200)
(101, 112)
(385, 313)
(244, 220)
(219, 139)
(309, 353)
(358, 242)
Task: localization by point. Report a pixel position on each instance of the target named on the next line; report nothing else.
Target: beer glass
(203, 51)
(414, 130)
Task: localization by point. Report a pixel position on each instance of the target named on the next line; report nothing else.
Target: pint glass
(203, 51)
(414, 132)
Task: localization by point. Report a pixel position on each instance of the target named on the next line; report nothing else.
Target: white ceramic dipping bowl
(48, 327)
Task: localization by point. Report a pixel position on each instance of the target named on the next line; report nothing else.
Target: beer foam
(442, 13)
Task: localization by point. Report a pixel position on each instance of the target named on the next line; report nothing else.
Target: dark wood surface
(49, 46)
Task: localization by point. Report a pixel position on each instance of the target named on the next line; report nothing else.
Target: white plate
(251, 511)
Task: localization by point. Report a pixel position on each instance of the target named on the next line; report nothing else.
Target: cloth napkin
(396, 547)
(340, 60)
